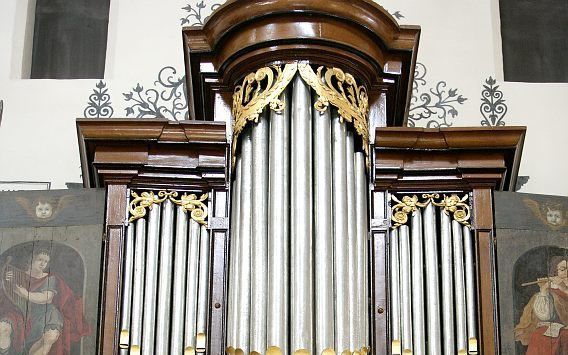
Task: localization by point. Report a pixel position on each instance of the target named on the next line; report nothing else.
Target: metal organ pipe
(203, 290)
(138, 286)
(178, 303)
(259, 244)
(323, 233)
(278, 227)
(470, 290)
(432, 297)
(419, 344)
(127, 290)
(447, 284)
(150, 286)
(395, 302)
(301, 308)
(165, 279)
(234, 258)
(361, 194)
(459, 276)
(405, 290)
(191, 288)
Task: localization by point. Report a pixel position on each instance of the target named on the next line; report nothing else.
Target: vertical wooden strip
(483, 219)
(113, 249)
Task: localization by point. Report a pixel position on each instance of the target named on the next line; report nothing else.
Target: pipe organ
(300, 165)
(166, 275)
(294, 213)
(431, 264)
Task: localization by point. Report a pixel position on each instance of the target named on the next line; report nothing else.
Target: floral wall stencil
(433, 106)
(99, 105)
(493, 107)
(194, 16)
(167, 99)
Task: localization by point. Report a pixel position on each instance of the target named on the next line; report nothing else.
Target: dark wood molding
(358, 36)
(460, 158)
(153, 153)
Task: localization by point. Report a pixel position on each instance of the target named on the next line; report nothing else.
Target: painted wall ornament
(99, 105)
(167, 99)
(493, 107)
(433, 107)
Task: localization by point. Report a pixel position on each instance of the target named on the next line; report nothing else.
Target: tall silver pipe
(165, 279)
(191, 286)
(470, 290)
(323, 232)
(138, 284)
(341, 245)
(203, 290)
(405, 290)
(301, 308)
(126, 309)
(178, 303)
(361, 195)
(149, 319)
(354, 290)
(259, 253)
(432, 296)
(242, 283)
(459, 277)
(395, 291)
(279, 227)
(234, 260)
(417, 285)
(448, 335)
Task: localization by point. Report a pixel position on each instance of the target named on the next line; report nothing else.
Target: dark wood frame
(476, 160)
(358, 36)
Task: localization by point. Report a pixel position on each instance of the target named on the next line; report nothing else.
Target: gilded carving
(332, 85)
(190, 203)
(258, 90)
(451, 204)
(340, 89)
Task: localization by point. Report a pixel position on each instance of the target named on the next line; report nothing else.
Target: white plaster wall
(460, 45)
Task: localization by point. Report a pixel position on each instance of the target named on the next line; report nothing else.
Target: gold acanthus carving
(189, 203)
(452, 204)
(332, 85)
(340, 89)
(274, 350)
(258, 90)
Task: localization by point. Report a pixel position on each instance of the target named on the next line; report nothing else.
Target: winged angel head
(551, 214)
(43, 208)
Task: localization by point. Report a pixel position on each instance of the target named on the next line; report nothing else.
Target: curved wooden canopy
(358, 36)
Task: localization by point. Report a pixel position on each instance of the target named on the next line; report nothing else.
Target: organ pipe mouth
(189, 351)
(135, 350)
(396, 347)
(200, 342)
(472, 348)
(124, 339)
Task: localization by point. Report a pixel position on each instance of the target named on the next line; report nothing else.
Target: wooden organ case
(266, 223)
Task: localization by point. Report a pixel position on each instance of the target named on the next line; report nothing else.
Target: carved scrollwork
(258, 90)
(457, 206)
(145, 200)
(340, 89)
(451, 204)
(190, 203)
(332, 85)
(403, 207)
(193, 205)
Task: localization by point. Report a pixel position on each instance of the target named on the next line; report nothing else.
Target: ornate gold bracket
(189, 203)
(333, 86)
(452, 204)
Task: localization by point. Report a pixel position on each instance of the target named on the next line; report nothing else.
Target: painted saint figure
(544, 322)
(51, 318)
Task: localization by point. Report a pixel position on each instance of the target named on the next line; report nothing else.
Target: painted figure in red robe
(543, 326)
(53, 319)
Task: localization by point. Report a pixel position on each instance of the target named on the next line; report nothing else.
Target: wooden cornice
(447, 158)
(153, 153)
(357, 36)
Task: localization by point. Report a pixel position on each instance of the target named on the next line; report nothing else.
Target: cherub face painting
(554, 216)
(43, 210)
